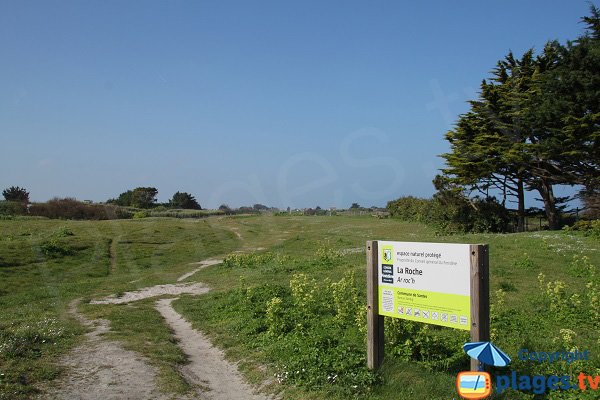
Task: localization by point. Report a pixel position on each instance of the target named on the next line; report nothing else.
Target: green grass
(37, 286)
(45, 264)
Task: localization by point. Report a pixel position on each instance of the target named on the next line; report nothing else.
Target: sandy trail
(203, 264)
(103, 369)
(207, 367)
(354, 250)
(154, 291)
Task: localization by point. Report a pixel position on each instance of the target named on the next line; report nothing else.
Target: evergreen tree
(184, 200)
(141, 197)
(488, 142)
(535, 124)
(144, 197)
(17, 194)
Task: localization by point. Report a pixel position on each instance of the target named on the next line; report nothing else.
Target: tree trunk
(521, 206)
(547, 194)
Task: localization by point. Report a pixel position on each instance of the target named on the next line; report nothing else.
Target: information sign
(425, 282)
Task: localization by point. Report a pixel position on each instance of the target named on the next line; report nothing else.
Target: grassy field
(289, 306)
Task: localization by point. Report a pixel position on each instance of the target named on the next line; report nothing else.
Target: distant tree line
(255, 209)
(17, 203)
(140, 202)
(145, 197)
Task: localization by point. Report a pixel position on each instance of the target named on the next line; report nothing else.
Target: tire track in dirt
(203, 264)
(207, 367)
(154, 291)
(112, 255)
(103, 369)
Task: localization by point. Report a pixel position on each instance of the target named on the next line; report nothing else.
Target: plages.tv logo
(478, 384)
(473, 385)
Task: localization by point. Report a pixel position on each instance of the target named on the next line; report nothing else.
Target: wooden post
(375, 334)
(480, 296)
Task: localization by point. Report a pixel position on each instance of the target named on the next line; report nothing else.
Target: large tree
(487, 145)
(535, 124)
(184, 200)
(565, 109)
(564, 113)
(17, 194)
(124, 199)
(141, 197)
(590, 198)
(144, 197)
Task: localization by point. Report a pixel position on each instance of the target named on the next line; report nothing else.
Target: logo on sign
(387, 255)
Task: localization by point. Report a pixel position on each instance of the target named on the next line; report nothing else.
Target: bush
(434, 347)
(176, 213)
(69, 208)
(451, 212)
(55, 248)
(319, 328)
(12, 208)
(411, 209)
(489, 216)
(252, 260)
(63, 231)
(588, 228)
(327, 256)
(140, 214)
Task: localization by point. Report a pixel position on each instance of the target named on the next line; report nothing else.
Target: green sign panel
(425, 282)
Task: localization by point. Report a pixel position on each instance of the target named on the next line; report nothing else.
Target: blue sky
(284, 103)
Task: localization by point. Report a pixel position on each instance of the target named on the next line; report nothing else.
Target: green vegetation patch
(292, 314)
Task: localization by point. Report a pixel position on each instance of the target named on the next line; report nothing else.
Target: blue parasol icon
(487, 353)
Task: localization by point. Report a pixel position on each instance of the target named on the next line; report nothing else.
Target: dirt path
(100, 368)
(103, 369)
(203, 264)
(154, 291)
(207, 367)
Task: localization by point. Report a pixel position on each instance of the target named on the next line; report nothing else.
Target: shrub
(327, 255)
(570, 307)
(12, 208)
(140, 214)
(55, 248)
(525, 262)
(248, 260)
(175, 213)
(69, 208)
(63, 231)
(277, 320)
(411, 209)
(451, 212)
(435, 347)
(582, 267)
(319, 340)
(588, 228)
